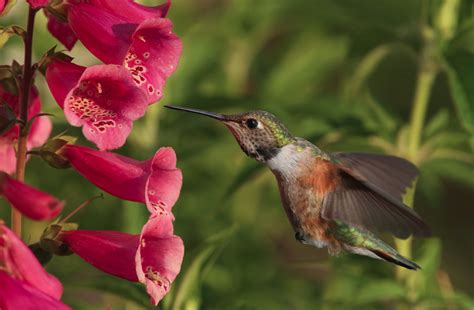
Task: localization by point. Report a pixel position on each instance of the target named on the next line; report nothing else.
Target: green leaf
(187, 295)
(437, 123)
(463, 301)
(7, 32)
(132, 291)
(464, 39)
(461, 78)
(455, 170)
(384, 290)
(300, 72)
(429, 260)
(369, 63)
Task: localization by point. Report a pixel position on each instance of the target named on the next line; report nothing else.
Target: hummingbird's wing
(368, 193)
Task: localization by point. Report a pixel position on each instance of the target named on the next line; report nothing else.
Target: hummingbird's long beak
(220, 117)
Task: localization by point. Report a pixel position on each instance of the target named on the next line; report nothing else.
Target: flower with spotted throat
(143, 46)
(153, 258)
(155, 182)
(101, 98)
(140, 37)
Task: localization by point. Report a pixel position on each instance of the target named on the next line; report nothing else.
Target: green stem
(24, 100)
(424, 85)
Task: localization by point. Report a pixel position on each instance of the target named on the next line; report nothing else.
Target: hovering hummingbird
(332, 200)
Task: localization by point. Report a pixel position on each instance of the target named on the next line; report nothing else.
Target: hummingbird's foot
(299, 236)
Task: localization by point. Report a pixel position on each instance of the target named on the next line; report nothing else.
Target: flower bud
(7, 118)
(51, 151)
(51, 240)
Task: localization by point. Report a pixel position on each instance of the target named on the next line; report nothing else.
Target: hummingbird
(333, 200)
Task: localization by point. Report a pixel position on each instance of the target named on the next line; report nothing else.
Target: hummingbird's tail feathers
(397, 259)
(365, 197)
(362, 242)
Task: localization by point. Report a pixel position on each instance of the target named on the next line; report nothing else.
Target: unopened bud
(51, 151)
(7, 118)
(58, 9)
(43, 256)
(51, 239)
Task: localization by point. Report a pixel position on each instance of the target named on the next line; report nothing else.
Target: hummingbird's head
(259, 133)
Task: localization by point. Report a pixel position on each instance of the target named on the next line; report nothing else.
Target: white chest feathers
(287, 161)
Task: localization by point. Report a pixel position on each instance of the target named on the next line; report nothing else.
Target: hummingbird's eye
(251, 123)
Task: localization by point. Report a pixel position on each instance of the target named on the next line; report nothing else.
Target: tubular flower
(23, 281)
(60, 30)
(102, 99)
(36, 4)
(153, 56)
(154, 257)
(142, 40)
(155, 182)
(39, 130)
(33, 203)
(108, 25)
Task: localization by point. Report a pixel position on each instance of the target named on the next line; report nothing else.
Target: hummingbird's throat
(251, 147)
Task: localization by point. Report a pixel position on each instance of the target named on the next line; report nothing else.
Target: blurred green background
(346, 75)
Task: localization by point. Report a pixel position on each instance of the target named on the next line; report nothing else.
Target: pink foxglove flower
(5, 6)
(36, 4)
(154, 257)
(140, 38)
(39, 131)
(108, 25)
(33, 203)
(153, 56)
(103, 100)
(23, 281)
(155, 182)
(61, 30)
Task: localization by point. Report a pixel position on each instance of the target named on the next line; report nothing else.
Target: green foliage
(188, 292)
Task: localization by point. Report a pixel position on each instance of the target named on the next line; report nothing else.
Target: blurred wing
(369, 193)
(387, 175)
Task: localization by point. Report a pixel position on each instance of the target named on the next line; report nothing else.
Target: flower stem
(427, 72)
(79, 208)
(424, 84)
(24, 100)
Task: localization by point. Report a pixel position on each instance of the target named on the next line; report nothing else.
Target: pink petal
(7, 155)
(39, 132)
(110, 251)
(107, 25)
(40, 129)
(35, 4)
(105, 102)
(5, 6)
(21, 264)
(61, 31)
(16, 295)
(31, 202)
(62, 76)
(153, 56)
(164, 184)
(156, 181)
(159, 258)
